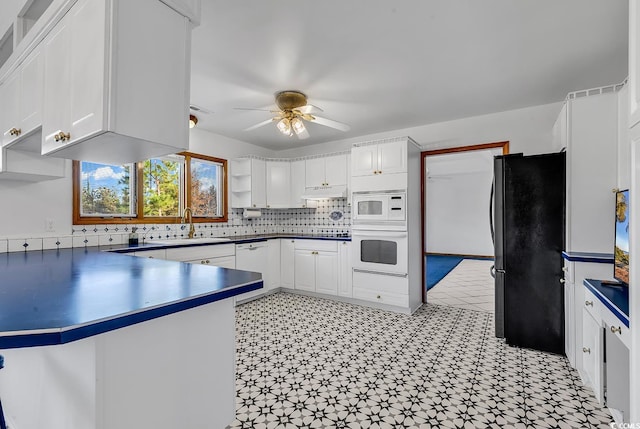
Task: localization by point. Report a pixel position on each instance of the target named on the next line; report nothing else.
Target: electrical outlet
(49, 225)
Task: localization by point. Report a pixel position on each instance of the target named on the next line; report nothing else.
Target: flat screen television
(621, 249)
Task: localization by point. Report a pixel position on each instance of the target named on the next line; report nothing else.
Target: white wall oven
(383, 252)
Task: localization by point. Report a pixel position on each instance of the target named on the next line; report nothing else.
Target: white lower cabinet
(592, 352)
(382, 289)
(345, 281)
(305, 270)
(272, 275)
(221, 261)
(287, 263)
(205, 255)
(316, 266)
(327, 272)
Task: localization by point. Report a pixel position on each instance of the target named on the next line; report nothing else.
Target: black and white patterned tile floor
(305, 362)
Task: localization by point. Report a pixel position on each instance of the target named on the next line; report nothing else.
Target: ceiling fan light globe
(284, 126)
(298, 126)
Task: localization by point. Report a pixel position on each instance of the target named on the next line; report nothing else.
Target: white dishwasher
(252, 257)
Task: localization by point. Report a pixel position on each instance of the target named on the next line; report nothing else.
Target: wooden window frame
(139, 218)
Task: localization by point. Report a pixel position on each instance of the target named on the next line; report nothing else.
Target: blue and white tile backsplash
(331, 217)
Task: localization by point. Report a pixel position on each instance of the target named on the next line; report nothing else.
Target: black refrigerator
(529, 218)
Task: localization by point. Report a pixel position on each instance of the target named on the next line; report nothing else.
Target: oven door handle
(382, 273)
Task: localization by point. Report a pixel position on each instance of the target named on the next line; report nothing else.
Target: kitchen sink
(182, 241)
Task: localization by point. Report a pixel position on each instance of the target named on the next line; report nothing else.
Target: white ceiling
(382, 65)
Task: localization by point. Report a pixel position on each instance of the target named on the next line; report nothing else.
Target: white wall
(26, 205)
(457, 191)
(528, 130)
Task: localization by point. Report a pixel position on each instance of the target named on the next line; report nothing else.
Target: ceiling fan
(294, 110)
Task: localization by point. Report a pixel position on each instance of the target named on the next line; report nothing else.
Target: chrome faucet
(192, 229)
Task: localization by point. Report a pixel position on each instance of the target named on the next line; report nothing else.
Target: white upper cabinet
(111, 95)
(376, 159)
(248, 184)
(31, 90)
(298, 184)
(278, 184)
(326, 171)
(634, 64)
(21, 100)
(10, 99)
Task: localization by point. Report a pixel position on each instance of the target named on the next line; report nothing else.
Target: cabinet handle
(375, 171)
(586, 350)
(202, 262)
(268, 206)
(62, 136)
(15, 131)
(379, 171)
(378, 297)
(150, 257)
(208, 261)
(588, 303)
(616, 329)
(254, 205)
(562, 280)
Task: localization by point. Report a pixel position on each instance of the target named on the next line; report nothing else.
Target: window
(153, 191)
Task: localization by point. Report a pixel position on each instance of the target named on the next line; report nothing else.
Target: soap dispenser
(133, 237)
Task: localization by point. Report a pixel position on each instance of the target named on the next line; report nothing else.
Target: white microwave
(379, 208)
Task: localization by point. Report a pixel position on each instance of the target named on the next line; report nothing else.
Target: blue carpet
(439, 266)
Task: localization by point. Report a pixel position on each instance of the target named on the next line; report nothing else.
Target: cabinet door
(305, 270)
(273, 264)
(364, 160)
(10, 109)
(392, 157)
(592, 352)
(258, 183)
(31, 78)
(335, 168)
(634, 64)
(327, 272)
(87, 71)
(56, 114)
(314, 172)
(298, 184)
(345, 287)
(224, 262)
(278, 184)
(287, 262)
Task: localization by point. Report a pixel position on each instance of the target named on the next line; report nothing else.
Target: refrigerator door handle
(501, 271)
(492, 271)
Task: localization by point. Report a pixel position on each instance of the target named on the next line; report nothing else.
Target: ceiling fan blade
(261, 124)
(330, 123)
(309, 108)
(304, 134)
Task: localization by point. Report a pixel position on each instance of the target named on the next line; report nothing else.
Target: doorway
(457, 242)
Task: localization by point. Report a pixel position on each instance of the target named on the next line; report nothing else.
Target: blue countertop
(614, 297)
(57, 296)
